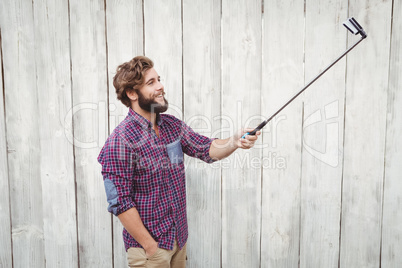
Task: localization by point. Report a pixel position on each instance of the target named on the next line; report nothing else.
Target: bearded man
(143, 168)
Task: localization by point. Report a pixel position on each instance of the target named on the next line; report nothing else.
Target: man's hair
(130, 76)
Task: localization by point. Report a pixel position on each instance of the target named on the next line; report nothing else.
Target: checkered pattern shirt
(145, 171)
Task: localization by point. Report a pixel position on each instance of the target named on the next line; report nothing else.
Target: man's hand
(151, 249)
(248, 141)
(223, 148)
(131, 220)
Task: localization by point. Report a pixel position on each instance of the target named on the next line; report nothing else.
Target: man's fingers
(247, 143)
(252, 137)
(248, 130)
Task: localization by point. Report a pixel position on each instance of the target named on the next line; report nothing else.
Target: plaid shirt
(145, 171)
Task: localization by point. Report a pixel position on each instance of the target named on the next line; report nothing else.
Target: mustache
(163, 94)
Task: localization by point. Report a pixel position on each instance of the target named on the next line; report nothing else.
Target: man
(143, 169)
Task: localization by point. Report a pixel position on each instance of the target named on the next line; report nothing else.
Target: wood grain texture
(163, 44)
(124, 22)
(89, 76)
(201, 78)
(323, 133)
(365, 122)
(56, 152)
(5, 216)
(277, 205)
(18, 46)
(282, 76)
(392, 214)
(241, 89)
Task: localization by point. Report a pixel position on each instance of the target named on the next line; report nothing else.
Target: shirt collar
(142, 121)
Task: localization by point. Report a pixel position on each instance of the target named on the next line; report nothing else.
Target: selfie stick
(354, 27)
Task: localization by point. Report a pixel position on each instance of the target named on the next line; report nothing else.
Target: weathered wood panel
(282, 76)
(124, 22)
(163, 44)
(42, 216)
(201, 79)
(392, 214)
(5, 216)
(53, 80)
(18, 46)
(241, 89)
(325, 41)
(89, 76)
(365, 121)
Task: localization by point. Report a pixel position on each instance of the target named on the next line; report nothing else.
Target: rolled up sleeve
(117, 163)
(118, 193)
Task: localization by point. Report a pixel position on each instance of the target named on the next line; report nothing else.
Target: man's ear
(132, 95)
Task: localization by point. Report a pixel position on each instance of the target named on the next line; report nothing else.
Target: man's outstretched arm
(221, 148)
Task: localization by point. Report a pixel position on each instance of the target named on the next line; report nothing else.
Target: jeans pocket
(175, 152)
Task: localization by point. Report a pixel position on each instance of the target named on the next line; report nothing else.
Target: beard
(150, 105)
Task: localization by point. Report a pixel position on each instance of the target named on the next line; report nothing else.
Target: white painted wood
(282, 75)
(201, 78)
(18, 46)
(323, 134)
(124, 22)
(5, 216)
(38, 218)
(163, 44)
(365, 122)
(89, 76)
(56, 152)
(392, 214)
(241, 89)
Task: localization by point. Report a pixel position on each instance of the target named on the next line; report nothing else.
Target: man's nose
(160, 86)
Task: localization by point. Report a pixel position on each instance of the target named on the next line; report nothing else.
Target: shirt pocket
(175, 152)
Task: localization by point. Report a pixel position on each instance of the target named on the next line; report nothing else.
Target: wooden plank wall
(202, 85)
(282, 73)
(392, 198)
(241, 182)
(23, 145)
(364, 149)
(5, 219)
(321, 188)
(53, 77)
(323, 139)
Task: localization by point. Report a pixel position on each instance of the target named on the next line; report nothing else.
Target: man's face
(151, 94)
